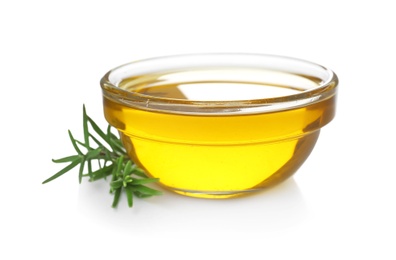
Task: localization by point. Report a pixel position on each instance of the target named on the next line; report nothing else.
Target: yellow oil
(221, 155)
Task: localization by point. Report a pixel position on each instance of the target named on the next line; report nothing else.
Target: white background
(339, 205)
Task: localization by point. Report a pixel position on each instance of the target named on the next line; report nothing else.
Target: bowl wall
(229, 141)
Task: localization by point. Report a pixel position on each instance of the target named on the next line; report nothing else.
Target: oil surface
(218, 156)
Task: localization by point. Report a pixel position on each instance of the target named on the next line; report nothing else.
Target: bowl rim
(325, 89)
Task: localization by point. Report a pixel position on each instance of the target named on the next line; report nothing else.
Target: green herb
(109, 159)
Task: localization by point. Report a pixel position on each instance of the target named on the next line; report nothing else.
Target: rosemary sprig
(110, 158)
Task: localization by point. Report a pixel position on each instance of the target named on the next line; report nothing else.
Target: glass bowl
(219, 125)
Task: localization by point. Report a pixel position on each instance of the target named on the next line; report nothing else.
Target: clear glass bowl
(219, 125)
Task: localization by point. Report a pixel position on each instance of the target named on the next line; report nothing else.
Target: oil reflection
(274, 209)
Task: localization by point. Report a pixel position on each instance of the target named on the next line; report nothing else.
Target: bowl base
(214, 194)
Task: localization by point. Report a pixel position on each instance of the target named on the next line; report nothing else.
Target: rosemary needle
(107, 159)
